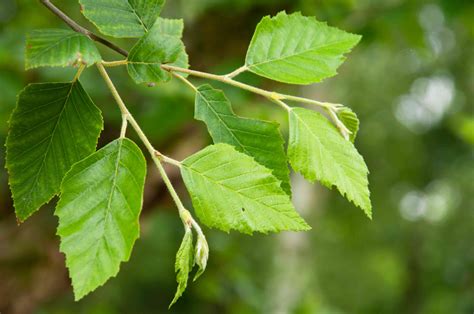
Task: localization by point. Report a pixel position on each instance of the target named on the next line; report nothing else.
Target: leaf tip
(368, 212)
(176, 297)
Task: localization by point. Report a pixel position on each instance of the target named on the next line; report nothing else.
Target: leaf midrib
(137, 16)
(338, 166)
(321, 145)
(50, 142)
(68, 37)
(109, 201)
(225, 125)
(299, 53)
(243, 195)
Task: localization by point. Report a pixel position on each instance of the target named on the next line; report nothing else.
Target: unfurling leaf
(296, 49)
(184, 263)
(101, 200)
(201, 255)
(319, 152)
(53, 126)
(230, 190)
(122, 18)
(350, 120)
(161, 45)
(259, 139)
(59, 47)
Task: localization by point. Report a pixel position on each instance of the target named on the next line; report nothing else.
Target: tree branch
(78, 28)
(156, 156)
(272, 96)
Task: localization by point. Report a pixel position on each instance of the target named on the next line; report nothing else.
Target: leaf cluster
(241, 183)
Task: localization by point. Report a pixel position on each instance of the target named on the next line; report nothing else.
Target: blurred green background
(411, 82)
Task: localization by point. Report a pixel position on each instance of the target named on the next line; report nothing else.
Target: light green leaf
(296, 49)
(161, 45)
(184, 264)
(101, 200)
(260, 139)
(201, 256)
(230, 190)
(350, 120)
(59, 47)
(319, 152)
(122, 18)
(53, 126)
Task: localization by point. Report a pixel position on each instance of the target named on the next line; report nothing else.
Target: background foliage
(411, 82)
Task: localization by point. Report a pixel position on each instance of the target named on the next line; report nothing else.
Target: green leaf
(184, 264)
(59, 47)
(260, 139)
(318, 151)
(230, 190)
(162, 45)
(350, 120)
(201, 255)
(53, 126)
(101, 200)
(296, 49)
(122, 18)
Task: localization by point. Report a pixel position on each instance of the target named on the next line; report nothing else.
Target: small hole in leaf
(243, 209)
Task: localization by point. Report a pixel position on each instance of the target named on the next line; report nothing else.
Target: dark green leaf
(161, 45)
(59, 47)
(53, 126)
(122, 18)
(260, 139)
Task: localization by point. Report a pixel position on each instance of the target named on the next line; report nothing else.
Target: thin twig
(123, 130)
(281, 104)
(273, 96)
(342, 128)
(222, 78)
(78, 28)
(79, 72)
(128, 115)
(167, 159)
(237, 72)
(117, 63)
(186, 81)
(157, 157)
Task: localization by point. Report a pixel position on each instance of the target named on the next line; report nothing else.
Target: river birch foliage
(240, 183)
(296, 49)
(59, 47)
(122, 18)
(53, 126)
(230, 190)
(101, 200)
(162, 45)
(259, 139)
(319, 152)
